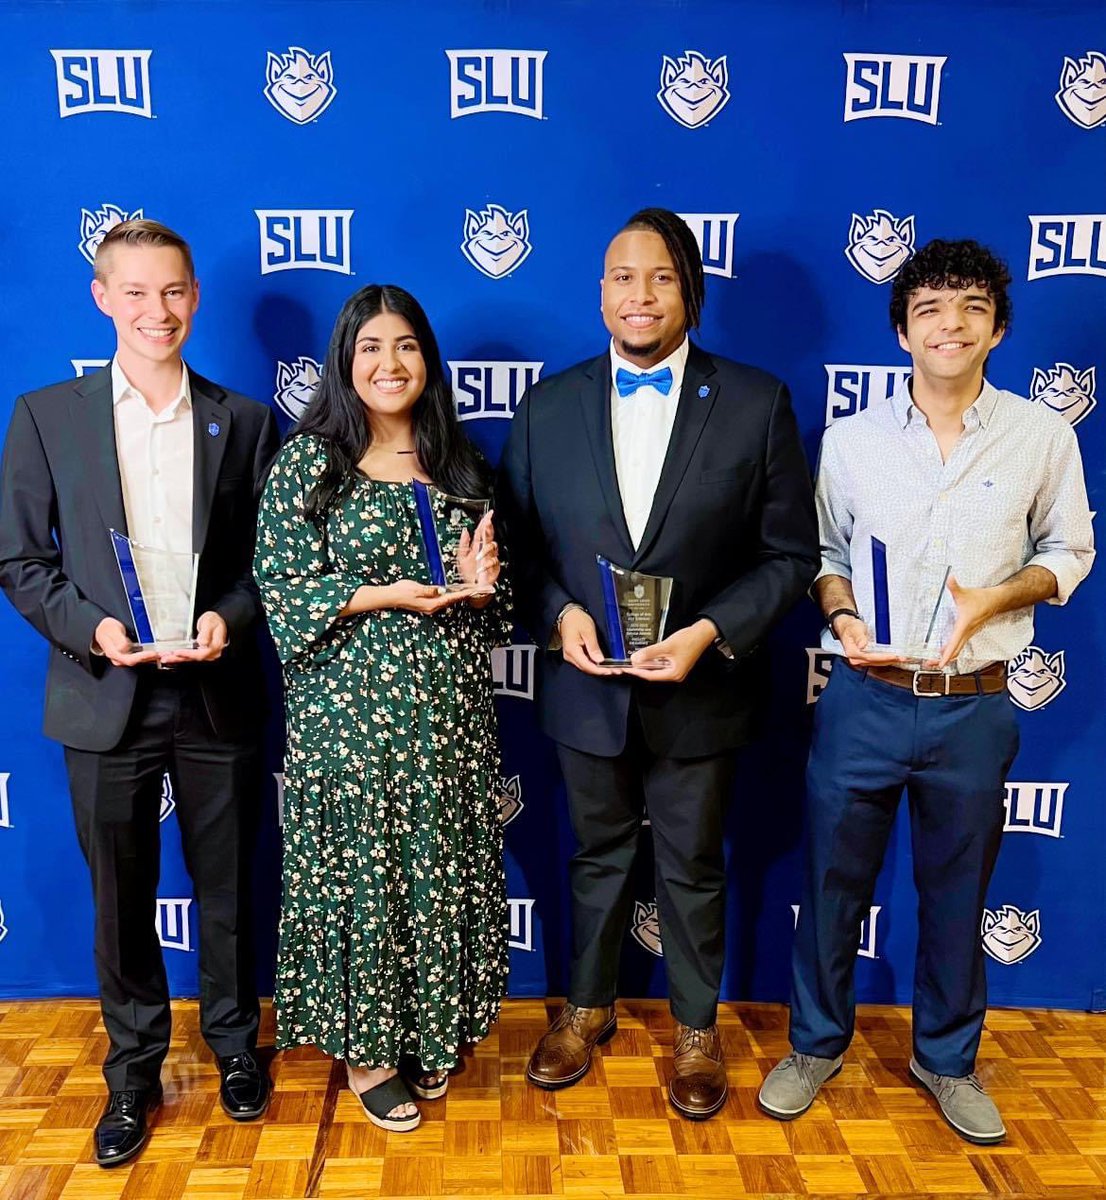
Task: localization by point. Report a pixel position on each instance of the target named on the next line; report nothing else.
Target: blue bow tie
(628, 383)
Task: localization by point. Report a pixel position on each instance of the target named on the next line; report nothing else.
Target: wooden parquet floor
(872, 1131)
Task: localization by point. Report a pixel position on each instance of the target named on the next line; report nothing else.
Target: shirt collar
(123, 389)
(979, 412)
(675, 362)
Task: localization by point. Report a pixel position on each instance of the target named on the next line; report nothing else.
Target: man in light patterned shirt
(955, 492)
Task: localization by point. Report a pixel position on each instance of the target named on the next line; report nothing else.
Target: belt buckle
(939, 674)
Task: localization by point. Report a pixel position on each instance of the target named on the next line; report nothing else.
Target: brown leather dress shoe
(698, 1089)
(563, 1056)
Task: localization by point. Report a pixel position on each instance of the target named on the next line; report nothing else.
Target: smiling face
(388, 371)
(949, 333)
(642, 305)
(151, 296)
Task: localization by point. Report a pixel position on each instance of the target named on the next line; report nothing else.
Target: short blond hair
(139, 233)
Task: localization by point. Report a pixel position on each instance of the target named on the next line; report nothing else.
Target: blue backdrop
(481, 155)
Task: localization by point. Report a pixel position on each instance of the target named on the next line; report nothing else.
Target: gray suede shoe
(791, 1085)
(964, 1105)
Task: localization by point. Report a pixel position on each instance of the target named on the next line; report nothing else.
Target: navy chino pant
(951, 754)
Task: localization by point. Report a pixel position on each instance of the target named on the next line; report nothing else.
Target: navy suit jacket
(60, 493)
(732, 523)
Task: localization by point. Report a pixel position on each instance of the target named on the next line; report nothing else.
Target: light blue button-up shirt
(1011, 494)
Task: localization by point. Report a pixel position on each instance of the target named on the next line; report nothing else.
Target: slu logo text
(173, 929)
(97, 81)
(1065, 389)
(520, 924)
(305, 239)
(3, 927)
(1082, 94)
(1009, 935)
(715, 234)
(295, 385)
(495, 240)
(491, 389)
(1035, 808)
(852, 387)
(893, 85)
(507, 81)
(299, 84)
(5, 811)
(96, 224)
(1035, 678)
(513, 671)
(646, 927)
(880, 244)
(1067, 245)
(819, 663)
(694, 87)
(84, 366)
(867, 945)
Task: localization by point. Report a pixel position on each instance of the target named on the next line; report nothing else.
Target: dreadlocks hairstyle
(958, 265)
(684, 249)
(337, 416)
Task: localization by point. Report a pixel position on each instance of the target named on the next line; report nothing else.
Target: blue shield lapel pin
(704, 392)
(213, 429)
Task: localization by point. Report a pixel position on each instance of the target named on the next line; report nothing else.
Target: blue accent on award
(443, 521)
(910, 649)
(160, 586)
(635, 609)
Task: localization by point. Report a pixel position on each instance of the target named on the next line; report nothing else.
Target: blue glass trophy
(635, 607)
(918, 634)
(443, 521)
(161, 593)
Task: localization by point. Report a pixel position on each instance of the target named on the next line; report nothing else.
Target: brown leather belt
(935, 683)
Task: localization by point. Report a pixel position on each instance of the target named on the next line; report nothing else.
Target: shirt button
(157, 520)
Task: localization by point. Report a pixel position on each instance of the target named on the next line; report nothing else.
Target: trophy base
(470, 589)
(912, 654)
(657, 664)
(165, 647)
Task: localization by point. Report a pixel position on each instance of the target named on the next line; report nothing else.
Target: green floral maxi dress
(393, 929)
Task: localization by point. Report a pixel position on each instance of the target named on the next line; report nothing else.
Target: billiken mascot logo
(646, 927)
(509, 801)
(1065, 390)
(95, 226)
(496, 241)
(295, 385)
(1009, 935)
(1082, 94)
(880, 244)
(694, 88)
(3, 927)
(299, 85)
(1036, 679)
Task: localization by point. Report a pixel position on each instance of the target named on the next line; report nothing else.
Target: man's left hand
(211, 641)
(974, 608)
(671, 660)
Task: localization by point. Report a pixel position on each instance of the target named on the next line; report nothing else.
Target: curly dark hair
(941, 264)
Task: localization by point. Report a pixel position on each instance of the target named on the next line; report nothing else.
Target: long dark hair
(684, 249)
(337, 415)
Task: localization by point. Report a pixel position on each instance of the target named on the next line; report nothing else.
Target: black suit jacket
(60, 493)
(732, 523)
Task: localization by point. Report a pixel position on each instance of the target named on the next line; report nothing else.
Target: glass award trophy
(161, 593)
(635, 606)
(926, 630)
(443, 519)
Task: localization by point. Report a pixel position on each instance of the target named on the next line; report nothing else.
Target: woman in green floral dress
(393, 946)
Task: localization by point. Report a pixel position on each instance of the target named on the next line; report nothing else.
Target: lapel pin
(213, 429)
(704, 392)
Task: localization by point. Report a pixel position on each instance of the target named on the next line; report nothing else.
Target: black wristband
(841, 612)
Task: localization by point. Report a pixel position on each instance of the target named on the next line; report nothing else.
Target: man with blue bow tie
(673, 462)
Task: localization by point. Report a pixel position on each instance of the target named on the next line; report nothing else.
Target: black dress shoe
(244, 1089)
(121, 1131)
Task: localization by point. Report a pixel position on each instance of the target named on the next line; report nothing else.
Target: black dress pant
(685, 800)
(116, 800)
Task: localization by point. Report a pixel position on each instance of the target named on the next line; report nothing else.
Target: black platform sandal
(379, 1101)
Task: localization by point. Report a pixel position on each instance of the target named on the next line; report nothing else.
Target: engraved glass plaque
(920, 634)
(161, 593)
(635, 606)
(443, 519)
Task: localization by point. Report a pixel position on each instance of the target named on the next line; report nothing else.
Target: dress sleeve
(302, 588)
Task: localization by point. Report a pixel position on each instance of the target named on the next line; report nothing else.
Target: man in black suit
(149, 447)
(673, 462)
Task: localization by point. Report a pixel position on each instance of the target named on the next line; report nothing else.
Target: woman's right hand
(420, 597)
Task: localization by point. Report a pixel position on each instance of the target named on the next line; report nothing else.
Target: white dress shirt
(641, 426)
(1011, 494)
(155, 470)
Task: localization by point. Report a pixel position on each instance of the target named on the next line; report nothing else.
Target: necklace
(405, 452)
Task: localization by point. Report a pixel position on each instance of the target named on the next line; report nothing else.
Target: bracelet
(566, 610)
(841, 612)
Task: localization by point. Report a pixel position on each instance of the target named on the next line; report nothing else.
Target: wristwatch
(841, 612)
